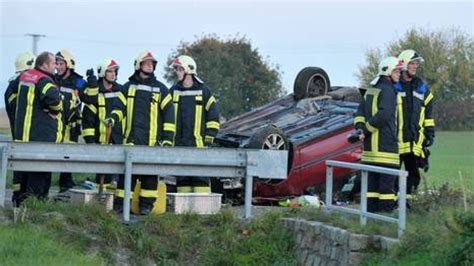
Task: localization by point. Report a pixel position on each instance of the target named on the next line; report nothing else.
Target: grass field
(451, 153)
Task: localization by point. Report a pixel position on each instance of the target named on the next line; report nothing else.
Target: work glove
(91, 79)
(428, 142)
(109, 122)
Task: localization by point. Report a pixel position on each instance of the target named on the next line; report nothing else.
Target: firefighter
(38, 118)
(376, 119)
(197, 117)
(101, 95)
(71, 86)
(147, 107)
(23, 62)
(416, 119)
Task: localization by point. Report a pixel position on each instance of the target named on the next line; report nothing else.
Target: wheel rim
(274, 142)
(316, 86)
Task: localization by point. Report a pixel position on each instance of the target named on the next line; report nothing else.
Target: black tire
(269, 138)
(311, 82)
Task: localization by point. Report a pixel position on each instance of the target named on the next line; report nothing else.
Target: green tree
(448, 69)
(234, 71)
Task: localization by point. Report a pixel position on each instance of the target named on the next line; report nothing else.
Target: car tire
(311, 82)
(269, 138)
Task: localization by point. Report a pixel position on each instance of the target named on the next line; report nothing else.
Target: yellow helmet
(107, 65)
(388, 65)
(67, 57)
(409, 55)
(187, 63)
(143, 56)
(24, 61)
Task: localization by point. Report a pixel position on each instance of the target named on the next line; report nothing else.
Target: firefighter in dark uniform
(38, 118)
(23, 62)
(197, 117)
(147, 107)
(376, 118)
(416, 119)
(71, 86)
(99, 99)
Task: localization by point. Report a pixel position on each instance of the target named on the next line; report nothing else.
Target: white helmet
(409, 55)
(24, 61)
(143, 56)
(108, 64)
(187, 63)
(388, 65)
(67, 57)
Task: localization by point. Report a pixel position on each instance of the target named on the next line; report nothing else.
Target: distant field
(4, 124)
(451, 153)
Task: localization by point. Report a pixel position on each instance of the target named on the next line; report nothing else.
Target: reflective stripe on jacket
(416, 116)
(377, 116)
(97, 110)
(39, 108)
(148, 111)
(197, 117)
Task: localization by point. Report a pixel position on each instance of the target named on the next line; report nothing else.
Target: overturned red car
(312, 123)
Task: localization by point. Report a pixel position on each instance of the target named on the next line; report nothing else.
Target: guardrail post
(248, 195)
(127, 186)
(363, 198)
(329, 175)
(3, 175)
(402, 184)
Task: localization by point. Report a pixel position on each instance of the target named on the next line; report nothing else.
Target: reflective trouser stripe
(193, 189)
(130, 105)
(88, 132)
(198, 121)
(387, 196)
(373, 195)
(146, 193)
(30, 98)
(102, 114)
(153, 119)
(120, 193)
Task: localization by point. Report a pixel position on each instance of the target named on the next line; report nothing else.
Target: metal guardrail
(400, 221)
(163, 161)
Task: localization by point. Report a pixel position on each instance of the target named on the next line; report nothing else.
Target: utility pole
(35, 41)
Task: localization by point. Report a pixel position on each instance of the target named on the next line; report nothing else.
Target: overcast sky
(333, 35)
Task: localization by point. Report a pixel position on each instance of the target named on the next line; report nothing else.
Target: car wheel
(269, 138)
(311, 82)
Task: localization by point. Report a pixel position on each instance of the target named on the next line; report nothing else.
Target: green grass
(24, 244)
(167, 239)
(451, 153)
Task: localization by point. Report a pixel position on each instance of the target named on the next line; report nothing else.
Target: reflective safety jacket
(416, 116)
(10, 99)
(377, 116)
(71, 88)
(101, 103)
(197, 117)
(148, 109)
(39, 108)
